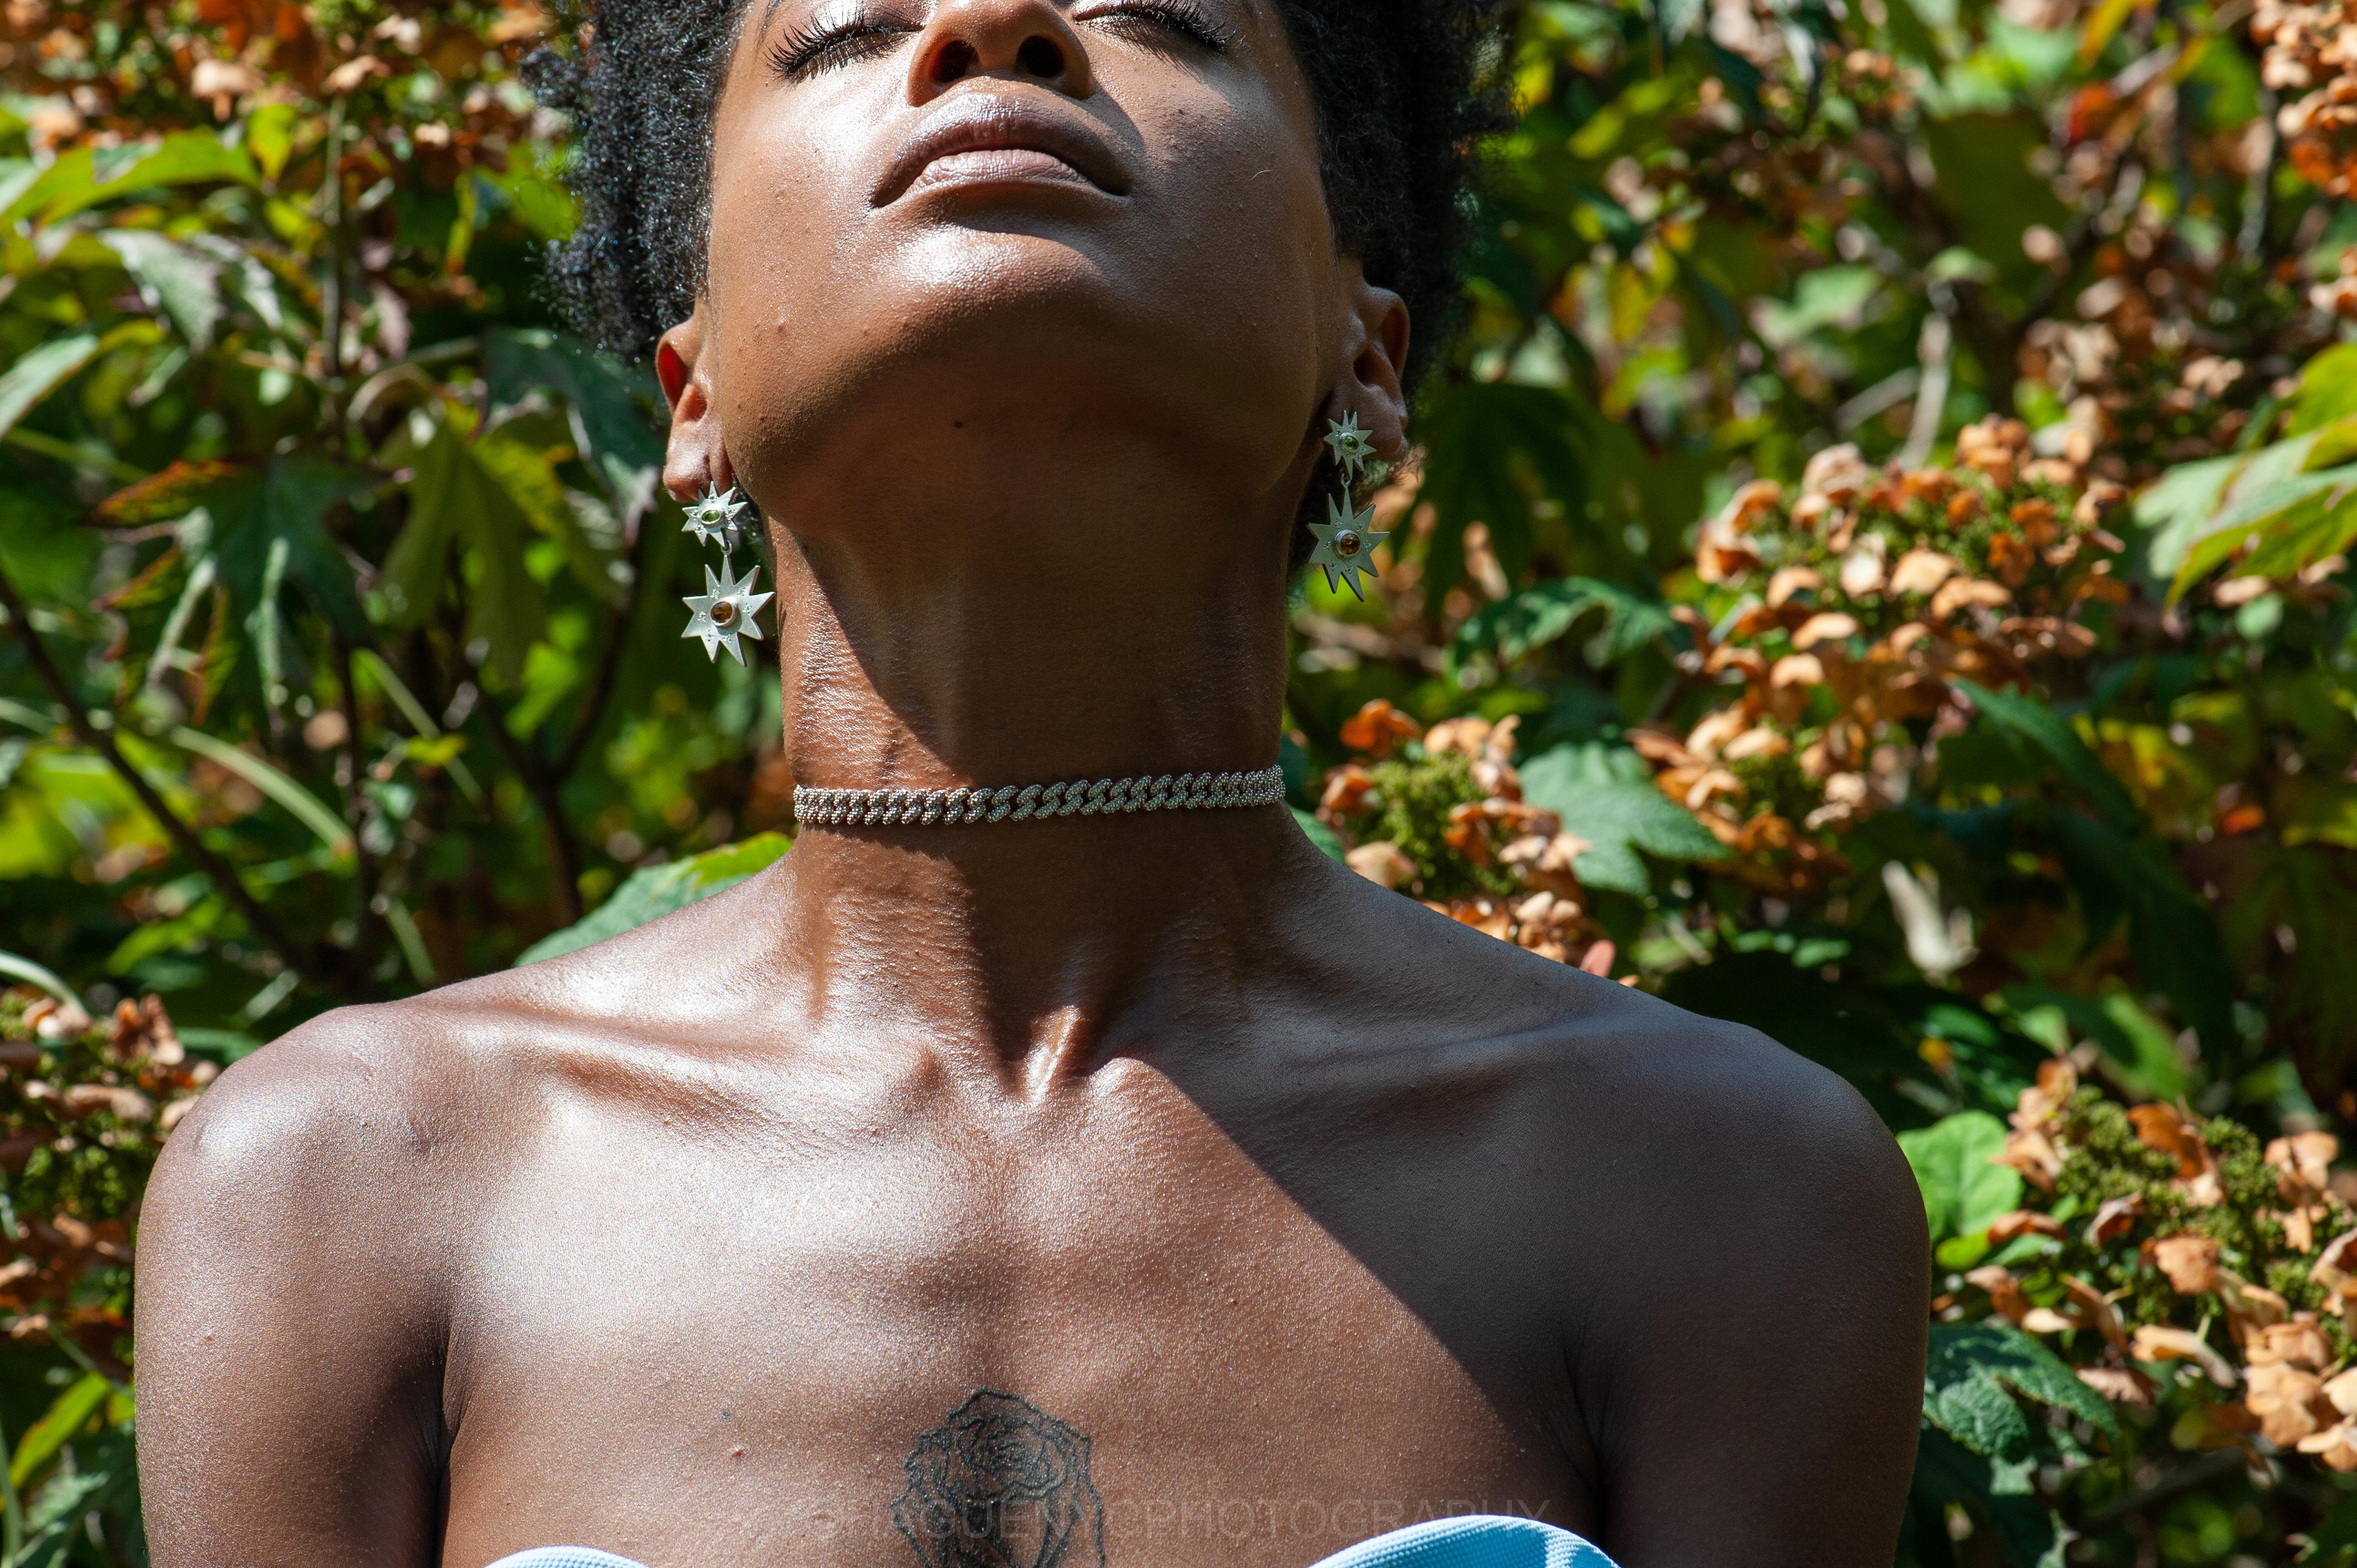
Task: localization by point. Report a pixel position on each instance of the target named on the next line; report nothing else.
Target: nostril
(955, 62)
(1040, 56)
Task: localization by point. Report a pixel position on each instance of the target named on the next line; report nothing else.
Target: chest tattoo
(1002, 1484)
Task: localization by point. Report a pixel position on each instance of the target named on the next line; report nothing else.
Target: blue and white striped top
(1471, 1541)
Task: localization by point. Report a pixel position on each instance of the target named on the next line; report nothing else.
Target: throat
(1031, 952)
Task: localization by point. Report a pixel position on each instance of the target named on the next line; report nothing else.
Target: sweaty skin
(1141, 1190)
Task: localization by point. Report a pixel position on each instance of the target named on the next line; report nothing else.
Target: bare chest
(1123, 1344)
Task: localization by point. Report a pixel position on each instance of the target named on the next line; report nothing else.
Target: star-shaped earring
(725, 611)
(1352, 446)
(1346, 545)
(713, 520)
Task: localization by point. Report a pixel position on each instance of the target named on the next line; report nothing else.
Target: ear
(697, 455)
(1375, 343)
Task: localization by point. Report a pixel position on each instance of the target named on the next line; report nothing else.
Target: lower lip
(999, 165)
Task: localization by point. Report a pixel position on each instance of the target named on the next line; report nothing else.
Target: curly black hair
(1405, 90)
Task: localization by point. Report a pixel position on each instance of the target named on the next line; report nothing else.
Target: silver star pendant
(713, 520)
(1346, 545)
(1352, 446)
(725, 611)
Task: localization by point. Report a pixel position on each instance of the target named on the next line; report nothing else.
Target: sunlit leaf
(41, 373)
(57, 1425)
(609, 402)
(2047, 735)
(1605, 793)
(1525, 621)
(652, 894)
(455, 500)
(1963, 1191)
(182, 284)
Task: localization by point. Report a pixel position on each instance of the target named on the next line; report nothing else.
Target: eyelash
(1187, 21)
(803, 52)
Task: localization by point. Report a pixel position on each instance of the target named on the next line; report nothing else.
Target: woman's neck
(1107, 631)
(1023, 954)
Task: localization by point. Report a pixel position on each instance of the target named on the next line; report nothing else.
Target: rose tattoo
(1002, 1484)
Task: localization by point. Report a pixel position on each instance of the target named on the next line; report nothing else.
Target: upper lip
(978, 122)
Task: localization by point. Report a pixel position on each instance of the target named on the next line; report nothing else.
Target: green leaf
(41, 373)
(2328, 391)
(16, 177)
(1989, 189)
(1490, 445)
(269, 133)
(2311, 1005)
(1522, 622)
(2031, 1534)
(533, 183)
(85, 177)
(2173, 509)
(1979, 1448)
(2333, 1543)
(527, 472)
(282, 509)
(658, 890)
(1963, 1190)
(1980, 1413)
(2202, 515)
(455, 500)
(1318, 833)
(173, 280)
(69, 1414)
(2139, 1053)
(2171, 933)
(2313, 809)
(1825, 296)
(330, 829)
(17, 967)
(2047, 734)
(610, 402)
(1993, 1350)
(1606, 794)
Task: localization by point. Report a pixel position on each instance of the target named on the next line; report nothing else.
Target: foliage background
(1873, 569)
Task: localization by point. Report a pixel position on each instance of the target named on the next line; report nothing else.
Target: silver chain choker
(1015, 803)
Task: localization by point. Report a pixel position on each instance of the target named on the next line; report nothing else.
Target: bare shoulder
(1712, 1133)
(1696, 1094)
(1749, 1282)
(330, 1131)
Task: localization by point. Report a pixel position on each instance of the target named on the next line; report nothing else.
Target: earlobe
(1369, 384)
(696, 458)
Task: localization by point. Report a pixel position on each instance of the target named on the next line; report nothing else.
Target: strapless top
(1470, 1540)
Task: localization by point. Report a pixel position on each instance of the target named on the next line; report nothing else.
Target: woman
(1127, 1188)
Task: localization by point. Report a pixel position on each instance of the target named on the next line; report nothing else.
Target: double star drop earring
(1347, 539)
(726, 609)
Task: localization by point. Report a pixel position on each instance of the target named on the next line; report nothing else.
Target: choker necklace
(1014, 803)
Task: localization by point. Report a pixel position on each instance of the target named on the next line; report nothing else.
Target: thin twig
(221, 873)
(331, 303)
(2199, 1472)
(609, 665)
(365, 923)
(2253, 237)
(545, 792)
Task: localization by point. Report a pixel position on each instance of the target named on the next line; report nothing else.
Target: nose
(1012, 40)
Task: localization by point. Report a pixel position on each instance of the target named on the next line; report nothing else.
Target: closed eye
(1165, 19)
(800, 53)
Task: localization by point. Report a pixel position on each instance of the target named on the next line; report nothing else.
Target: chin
(1020, 335)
